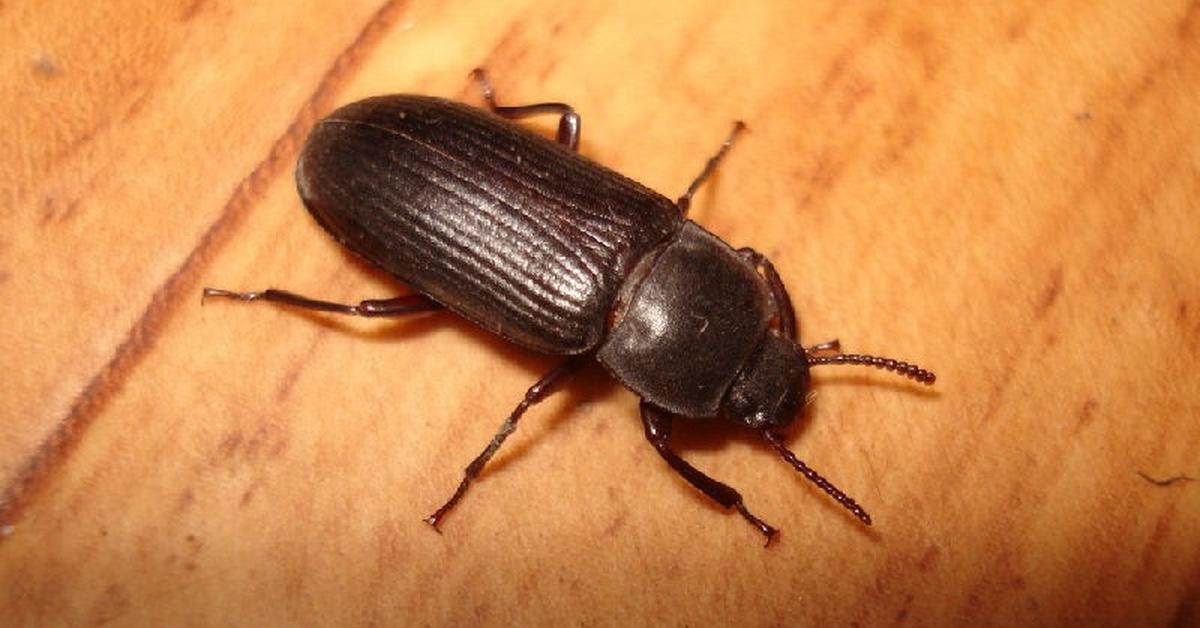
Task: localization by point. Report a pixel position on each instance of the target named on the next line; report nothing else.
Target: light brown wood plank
(1004, 195)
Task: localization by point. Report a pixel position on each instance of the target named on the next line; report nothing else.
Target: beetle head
(768, 390)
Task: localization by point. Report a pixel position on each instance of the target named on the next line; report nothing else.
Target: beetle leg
(831, 347)
(568, 123)
(398, 306)
(657, 424)
(539, 391)
(783, 302)
(685, 201)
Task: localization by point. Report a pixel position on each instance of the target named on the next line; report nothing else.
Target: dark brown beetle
(561, 255)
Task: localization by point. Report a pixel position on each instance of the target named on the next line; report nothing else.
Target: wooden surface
(1006, 195)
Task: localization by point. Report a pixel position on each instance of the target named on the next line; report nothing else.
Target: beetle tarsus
(435, 519)
(227, 294)
(767, 529)
(657, 426)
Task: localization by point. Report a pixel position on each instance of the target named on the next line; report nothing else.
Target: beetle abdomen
(502, 226)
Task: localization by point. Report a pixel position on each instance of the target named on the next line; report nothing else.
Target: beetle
(558, 254)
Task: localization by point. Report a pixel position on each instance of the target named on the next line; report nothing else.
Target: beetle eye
(767, 391)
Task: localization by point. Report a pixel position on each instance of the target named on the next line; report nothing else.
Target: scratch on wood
(293, 375)
(929, 560)
(1049, 293)
(1018, 27)
(1175, 479)
(58, 210)
(1188, 23)
(510, 39)
(113, 604)
(186, 498)
(856, 93)
(836, 70)
(921, 44)
(177, 288)
(191, 10)
(513, 47)
(902, 614)
(1000, 386)
(44, 66)
(1146, 84)
(1086, 413)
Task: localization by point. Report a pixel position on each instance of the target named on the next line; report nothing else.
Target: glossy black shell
(689, 325)
(504, 227)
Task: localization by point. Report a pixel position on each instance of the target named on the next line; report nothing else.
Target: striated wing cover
(502, 226)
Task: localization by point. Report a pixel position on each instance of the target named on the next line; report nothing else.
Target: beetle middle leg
(549, 383)
(568, 122)
(381, 308)
(685, 201)
(657, 425)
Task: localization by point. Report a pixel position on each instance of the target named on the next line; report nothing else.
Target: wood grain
(1004, 194)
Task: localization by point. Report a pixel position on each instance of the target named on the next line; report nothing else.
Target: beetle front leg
(829, 347)
(783, 302)
(568, 122)
(657, 424)
(786, 312)
(373, 308)
(549, 383)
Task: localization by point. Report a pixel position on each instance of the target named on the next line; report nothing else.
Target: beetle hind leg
(657, 424)
(377, 308)
(568, 121)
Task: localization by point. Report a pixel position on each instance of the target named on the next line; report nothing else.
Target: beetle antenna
(911, 371)
(814, 477)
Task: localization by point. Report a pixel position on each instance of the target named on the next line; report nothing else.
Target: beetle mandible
(558, 254)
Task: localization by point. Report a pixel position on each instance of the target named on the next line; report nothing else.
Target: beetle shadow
(591, 384)
(714, 435)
